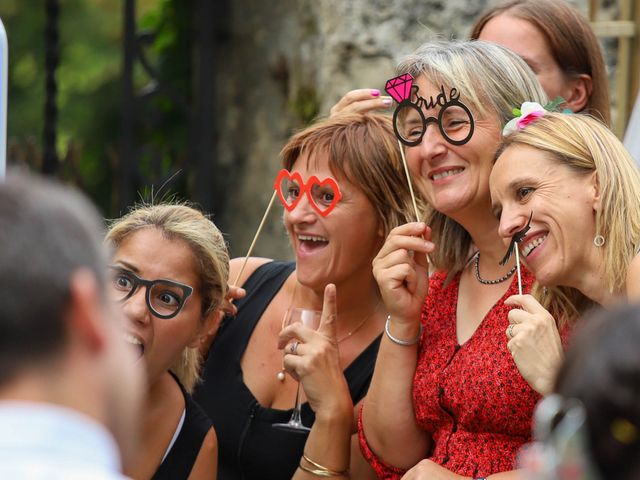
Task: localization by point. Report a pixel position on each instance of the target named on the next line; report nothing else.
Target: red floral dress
(471, 398)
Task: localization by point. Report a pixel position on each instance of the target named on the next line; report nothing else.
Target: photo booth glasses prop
(323, 195)
(165, 298)
(454, 119)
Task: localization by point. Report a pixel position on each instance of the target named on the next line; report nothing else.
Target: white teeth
(310, 238)
(440, 175)
(131, 339)
(531, 245)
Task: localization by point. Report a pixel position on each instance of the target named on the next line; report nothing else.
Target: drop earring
(281, 375)
(598, 240)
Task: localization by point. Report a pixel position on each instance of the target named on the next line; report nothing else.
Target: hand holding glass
(310, 319)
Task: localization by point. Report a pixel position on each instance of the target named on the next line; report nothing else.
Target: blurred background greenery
(89, 90)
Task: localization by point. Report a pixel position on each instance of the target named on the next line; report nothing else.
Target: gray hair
(492, 81)
(489, 77)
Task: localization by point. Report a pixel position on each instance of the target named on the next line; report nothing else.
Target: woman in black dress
(334, 233)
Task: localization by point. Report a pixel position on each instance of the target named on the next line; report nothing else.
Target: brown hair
(363, 149)
(571, 41)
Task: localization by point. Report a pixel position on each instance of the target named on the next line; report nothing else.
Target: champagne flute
(310, 319)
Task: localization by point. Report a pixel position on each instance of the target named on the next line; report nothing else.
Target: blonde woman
(582, 189)
(170, 270)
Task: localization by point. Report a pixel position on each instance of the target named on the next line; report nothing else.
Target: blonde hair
(183, 222)
(585, 145)
(571, 40)
(492, 81)
(363, 149)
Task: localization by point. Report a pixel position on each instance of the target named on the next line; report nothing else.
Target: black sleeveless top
(179, 461)
(248, 447)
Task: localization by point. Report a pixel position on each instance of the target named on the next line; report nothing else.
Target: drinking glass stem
(295, 416)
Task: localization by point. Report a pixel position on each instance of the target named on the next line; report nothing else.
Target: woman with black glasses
(169, 271)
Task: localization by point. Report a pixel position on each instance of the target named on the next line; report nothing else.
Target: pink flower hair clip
(529, 112)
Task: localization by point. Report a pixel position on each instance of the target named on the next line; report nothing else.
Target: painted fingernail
(386, 101)
(375, 93)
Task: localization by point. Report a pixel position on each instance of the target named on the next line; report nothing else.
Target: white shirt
(44, 441)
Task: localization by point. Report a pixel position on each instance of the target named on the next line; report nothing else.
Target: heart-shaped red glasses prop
(323, 195)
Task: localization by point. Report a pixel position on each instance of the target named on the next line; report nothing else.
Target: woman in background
(558, 44)
(552, 37)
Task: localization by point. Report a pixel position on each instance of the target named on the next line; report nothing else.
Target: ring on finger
(510, 331)
(294, 347)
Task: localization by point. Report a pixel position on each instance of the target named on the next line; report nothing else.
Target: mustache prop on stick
(513, 247)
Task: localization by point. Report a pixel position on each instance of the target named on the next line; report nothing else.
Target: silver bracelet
(404, 343)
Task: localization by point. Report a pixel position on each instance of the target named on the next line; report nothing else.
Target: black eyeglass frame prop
(403, 91)
(149, 284)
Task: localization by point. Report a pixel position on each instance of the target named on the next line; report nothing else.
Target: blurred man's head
(59, 337)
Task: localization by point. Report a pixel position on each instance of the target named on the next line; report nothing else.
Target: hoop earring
(598, 240)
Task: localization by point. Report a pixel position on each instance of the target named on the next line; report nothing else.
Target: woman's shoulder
(206, 463)
(252, 264)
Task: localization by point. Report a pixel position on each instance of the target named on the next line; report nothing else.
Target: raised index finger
(329, 313)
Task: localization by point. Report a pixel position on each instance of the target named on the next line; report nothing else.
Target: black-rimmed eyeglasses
(165, 298)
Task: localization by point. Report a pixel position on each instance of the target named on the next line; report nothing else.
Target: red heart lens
(290, 188)
(324, 194)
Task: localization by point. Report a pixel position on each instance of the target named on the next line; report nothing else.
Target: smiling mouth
(440, 175)
(136, 343)
(312, 242)
(532, 245)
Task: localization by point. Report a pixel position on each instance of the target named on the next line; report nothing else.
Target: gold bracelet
(321, 470)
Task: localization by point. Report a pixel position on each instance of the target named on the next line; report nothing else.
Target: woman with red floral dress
(447, 400)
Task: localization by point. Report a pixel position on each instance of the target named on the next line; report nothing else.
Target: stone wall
(282, 62)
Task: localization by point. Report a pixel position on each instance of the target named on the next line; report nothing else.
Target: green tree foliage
(89, 85)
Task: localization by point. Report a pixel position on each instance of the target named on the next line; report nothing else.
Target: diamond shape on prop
(400, 87)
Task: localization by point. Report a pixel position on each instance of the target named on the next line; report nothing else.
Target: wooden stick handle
(515, 245)
(406, 172)
(255, 238)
